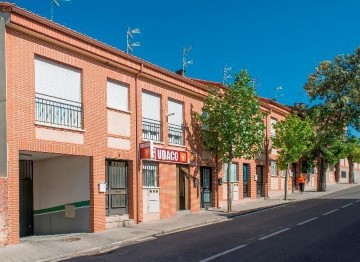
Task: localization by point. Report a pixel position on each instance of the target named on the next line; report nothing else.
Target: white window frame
(150, 174)
(273, 168)
(234, 172)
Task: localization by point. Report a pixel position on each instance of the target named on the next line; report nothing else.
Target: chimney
(180, 72)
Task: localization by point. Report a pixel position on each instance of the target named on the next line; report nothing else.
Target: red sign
(169, 155)
(148, 151)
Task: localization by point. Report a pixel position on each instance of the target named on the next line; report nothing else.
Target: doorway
(206, 188)
(246, 180)
(182, 188)
(260, 181)
(26, 199)
(116, 187)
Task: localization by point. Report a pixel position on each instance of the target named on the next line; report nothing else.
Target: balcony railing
(151, 129)
(58, 111)
(176, 134)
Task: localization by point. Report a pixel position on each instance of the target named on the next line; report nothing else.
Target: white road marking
(347, 205)
(273, 234)
(307, 221)
(357, 201)
(223, 253)
(332, 211)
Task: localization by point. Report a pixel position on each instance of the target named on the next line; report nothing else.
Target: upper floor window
(175, 122)
(57, 94)
(151, 124)
(272, 124)
(117, 96)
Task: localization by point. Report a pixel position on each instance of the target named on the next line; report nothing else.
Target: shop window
(234, 172)
(273, 168)
(117, 96)
(150, 172)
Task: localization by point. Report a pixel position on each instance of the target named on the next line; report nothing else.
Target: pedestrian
(301, 181)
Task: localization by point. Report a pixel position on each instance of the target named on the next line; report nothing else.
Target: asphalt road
(320, 229)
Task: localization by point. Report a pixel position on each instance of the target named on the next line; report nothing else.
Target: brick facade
(29, 36)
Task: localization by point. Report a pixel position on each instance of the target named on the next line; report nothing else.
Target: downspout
(266, 186)
(137, 160)
(4, 18)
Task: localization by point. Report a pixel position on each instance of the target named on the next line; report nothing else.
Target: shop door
(26, 198)
(260, 181)
(205, 184)
(182, 189)
(246, 180)
(116, 187)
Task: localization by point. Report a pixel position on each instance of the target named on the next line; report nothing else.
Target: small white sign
(102, 187)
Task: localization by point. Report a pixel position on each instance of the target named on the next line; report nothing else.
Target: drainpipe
(137, 160)
(266, 186)
(3, 116)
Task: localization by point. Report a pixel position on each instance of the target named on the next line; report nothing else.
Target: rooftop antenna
(57, 3)
(129, 35)
(278, 92)
(226, 76)
(186, 62)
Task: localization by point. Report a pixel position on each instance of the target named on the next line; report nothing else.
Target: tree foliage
(233, 123)
(336, 85)
(292, 140)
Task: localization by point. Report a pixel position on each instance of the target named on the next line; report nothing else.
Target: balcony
(176, 134)
(58, 111)
(151, 129)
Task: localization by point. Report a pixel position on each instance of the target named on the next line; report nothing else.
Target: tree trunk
(321, 175)
(337, 172)
(286, 183)
(229, 188)
(351, 170)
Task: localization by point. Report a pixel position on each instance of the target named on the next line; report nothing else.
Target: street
(320, 229)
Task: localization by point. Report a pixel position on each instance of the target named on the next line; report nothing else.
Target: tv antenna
(278, 92)
(185, 61)
(226, 76)
(57, 3)
(129, 35)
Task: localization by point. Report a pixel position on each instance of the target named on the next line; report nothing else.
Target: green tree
(292, 140)
(233, 124)
(352, 153)
(336, 86)
(327, 142)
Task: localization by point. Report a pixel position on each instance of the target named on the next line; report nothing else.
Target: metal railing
(176, 134)
(151, 129)
(58, 111)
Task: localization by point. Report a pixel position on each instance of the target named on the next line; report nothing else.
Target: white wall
(61, 180)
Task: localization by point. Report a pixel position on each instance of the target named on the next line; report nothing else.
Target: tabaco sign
(148, 151)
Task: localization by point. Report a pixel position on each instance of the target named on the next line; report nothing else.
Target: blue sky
(279, 42)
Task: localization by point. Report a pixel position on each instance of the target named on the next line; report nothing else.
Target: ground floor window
(273, 168)
(150, 172)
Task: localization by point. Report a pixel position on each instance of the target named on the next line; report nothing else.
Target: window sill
(151, 187)
(118, 110)
(64, 128)
(177, 145)
(155, 142)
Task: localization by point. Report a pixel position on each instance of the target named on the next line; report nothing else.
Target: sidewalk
(59, 247)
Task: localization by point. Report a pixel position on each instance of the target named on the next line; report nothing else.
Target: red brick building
(74, 113)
